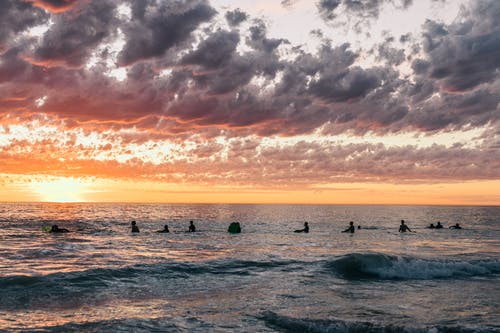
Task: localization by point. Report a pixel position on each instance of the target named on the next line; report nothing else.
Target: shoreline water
(266, 279)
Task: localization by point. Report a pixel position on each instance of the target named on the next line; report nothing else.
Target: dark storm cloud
(327, 8)
(474, 109)
(157, 26)
(214, 51)
(362, 9)
(15, 18)
(391, 55)
(259, 40)
(74, 36)
(464, 55)
(345, 86)
(420, 66)
(235, 17)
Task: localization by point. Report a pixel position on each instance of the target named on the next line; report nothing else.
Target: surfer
(431, 226)
(135, 228)
(403, 227)
(164, 230)
(192, 228)
(350, 228)
(456, 226)
(55, 228)
(306, 228)
(439, 225)
(234, 228)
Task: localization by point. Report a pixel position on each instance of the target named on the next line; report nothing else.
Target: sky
(275, 101)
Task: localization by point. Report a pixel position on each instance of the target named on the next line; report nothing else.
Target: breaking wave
(383, 266)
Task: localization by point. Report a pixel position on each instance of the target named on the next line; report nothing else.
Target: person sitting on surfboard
(55, 228)
(135, 228)
(403, 227)
(164, 230)
(350, 228)
(192, 228)
(306, 228)
(439, 225)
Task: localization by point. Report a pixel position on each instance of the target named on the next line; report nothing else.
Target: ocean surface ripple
(101, 278)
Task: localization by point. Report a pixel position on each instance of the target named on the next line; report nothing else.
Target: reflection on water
(102, 278)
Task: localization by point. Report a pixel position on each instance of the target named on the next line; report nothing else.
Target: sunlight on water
(100, 277)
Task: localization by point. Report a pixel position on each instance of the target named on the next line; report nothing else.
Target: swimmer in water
(134, 226)
(350, 228)
(456, 226)
(164, 230)
(306, 228)
(439, 225)
(55, 228)
(403, 227)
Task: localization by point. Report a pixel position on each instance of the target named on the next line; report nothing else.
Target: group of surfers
(235, 227)
(135, 228)
(404, 228)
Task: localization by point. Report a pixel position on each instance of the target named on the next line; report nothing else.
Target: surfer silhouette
(456, 226)
(192, 228)
(431, 226)
(134, 226)
(350, 228)
(164, 230)
(439, 225)
(55, 228)
(306, 228)
(403, 227)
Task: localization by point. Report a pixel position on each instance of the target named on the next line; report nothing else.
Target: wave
(115, 325)
(383, 266)
(21, 291)
(295, 325)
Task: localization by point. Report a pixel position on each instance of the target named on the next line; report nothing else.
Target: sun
(59, 190)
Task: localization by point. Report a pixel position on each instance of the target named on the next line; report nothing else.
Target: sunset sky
(240, 101)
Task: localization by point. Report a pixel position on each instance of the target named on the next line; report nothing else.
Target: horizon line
(247, 203)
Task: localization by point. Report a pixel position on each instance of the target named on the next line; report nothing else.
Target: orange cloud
(55, 6)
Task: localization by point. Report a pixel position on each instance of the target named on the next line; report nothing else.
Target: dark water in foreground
(100, 278)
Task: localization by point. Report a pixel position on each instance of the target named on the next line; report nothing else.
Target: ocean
(101, 278)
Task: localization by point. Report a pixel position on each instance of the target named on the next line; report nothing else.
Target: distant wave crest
(383, 266)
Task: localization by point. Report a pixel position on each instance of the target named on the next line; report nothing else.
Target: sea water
(101, 278)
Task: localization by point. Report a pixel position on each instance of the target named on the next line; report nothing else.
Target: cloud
(214, 51)
(55, 6)
(235, 17)
(184, 74)
(250, 162)
(73, 36)
(358, 10)
(15, 18)
(466, 54)
(157, 26)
